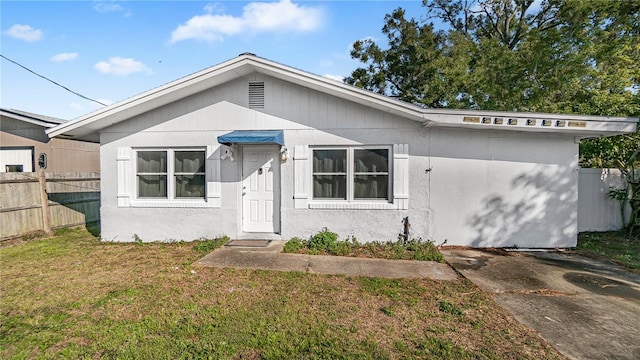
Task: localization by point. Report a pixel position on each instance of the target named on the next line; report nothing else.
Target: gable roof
(86, 127)
(36, 119)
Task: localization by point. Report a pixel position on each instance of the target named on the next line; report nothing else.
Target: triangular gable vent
(256, 95)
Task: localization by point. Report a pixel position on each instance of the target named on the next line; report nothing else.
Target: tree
(552, 56)
(569, 56)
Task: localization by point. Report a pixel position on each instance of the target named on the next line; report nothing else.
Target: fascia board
(582, 125)
(27, 119)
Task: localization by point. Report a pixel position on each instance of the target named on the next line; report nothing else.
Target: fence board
(73, 198)
(596, 211)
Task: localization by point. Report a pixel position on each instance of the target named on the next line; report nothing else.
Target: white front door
(261, 189)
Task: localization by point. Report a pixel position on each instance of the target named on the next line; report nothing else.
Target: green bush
(324, 240)
(294, 245)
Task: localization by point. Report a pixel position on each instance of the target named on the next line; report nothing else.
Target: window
(351, 174)
(14, 168)
(170, 174)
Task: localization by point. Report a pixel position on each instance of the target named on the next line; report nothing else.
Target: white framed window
(351, 174)
(186, 177)
(170, 174)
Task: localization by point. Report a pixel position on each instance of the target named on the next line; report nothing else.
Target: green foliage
(450, 308)
(387, 311)
(560, 56)
(205, 246)
(616, 246)
(324, 240)
(294, 245)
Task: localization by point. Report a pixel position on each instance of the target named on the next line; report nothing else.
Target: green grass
(326, 242)
(616, 246)
(71, 296)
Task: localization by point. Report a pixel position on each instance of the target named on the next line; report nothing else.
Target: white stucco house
(254, 149)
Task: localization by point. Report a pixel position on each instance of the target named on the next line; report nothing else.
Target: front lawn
(70, 296)
(616, 246)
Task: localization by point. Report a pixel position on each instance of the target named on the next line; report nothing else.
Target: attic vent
(256, 95)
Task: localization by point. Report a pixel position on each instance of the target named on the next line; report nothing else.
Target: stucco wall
(491, 189)
(471, 188)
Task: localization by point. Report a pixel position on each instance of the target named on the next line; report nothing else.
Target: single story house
(254, 149)
(25, 147)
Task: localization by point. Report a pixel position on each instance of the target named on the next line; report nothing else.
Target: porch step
(249, 243)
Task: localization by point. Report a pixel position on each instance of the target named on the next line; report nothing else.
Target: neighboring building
(251, 148)
(25, 147)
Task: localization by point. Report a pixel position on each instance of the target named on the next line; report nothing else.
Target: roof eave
(577, 125)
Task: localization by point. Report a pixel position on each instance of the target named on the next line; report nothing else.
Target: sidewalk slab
(272, 258)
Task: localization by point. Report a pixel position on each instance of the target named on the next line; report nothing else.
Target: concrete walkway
(272, 258)
(586, 309)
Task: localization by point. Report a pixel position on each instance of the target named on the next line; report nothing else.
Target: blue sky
(112, 50)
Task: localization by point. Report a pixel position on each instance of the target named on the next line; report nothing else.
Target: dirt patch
(602, 285)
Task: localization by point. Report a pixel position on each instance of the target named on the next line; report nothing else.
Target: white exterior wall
(484, 188)
(503, 190)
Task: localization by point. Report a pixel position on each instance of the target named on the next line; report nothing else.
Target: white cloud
(256, 17)
(24, 32)
(214, 8)
(121, 66)
(107, 7)
(64, 57)
(334, 77)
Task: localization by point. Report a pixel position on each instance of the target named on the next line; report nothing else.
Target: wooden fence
(40, 202)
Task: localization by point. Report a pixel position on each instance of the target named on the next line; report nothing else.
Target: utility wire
(46, 78)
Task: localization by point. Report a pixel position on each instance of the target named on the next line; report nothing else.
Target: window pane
(152, 186)
(189, 162)
(188, 186)
(370, 187)
(371, 160)
(152, 161)
(330, 161)
(330, 187)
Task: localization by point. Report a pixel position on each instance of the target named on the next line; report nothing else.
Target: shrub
(294, 245)
(324, 240)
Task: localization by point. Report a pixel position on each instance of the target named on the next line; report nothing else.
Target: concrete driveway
(586, 309)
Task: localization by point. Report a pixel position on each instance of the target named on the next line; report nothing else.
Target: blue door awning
(252, 137)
